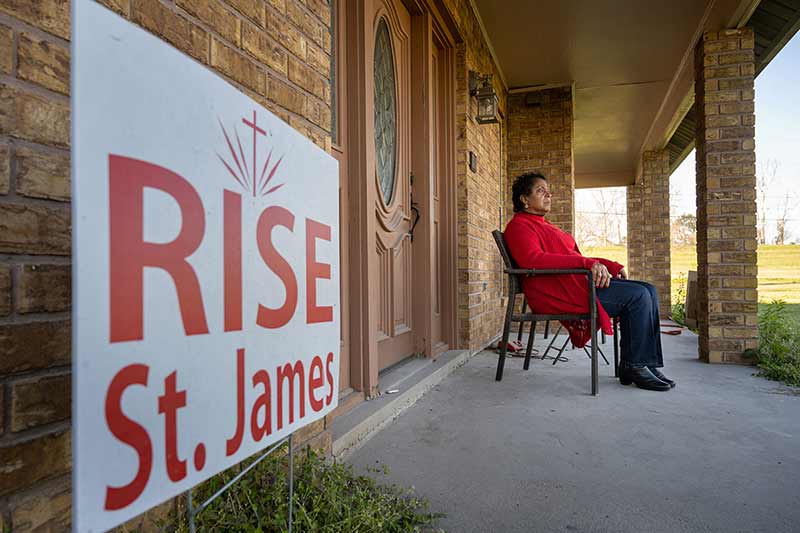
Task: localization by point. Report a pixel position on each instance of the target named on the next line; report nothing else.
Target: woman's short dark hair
(523, 185)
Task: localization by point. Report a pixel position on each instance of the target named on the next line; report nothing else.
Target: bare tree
(602, 222)
(783, 215)
(684, 230)
(583, 229)
(610, 204)
(675, 195)
(767, 170)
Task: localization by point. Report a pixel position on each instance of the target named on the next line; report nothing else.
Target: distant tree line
(605, 222)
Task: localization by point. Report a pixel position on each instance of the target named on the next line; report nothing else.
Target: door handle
(414, 209)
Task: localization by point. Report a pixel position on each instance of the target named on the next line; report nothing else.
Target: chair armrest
(549, 271)
(560, 271)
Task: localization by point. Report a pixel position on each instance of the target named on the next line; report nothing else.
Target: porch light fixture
(480, 86)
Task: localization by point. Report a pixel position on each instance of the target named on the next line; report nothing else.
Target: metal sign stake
(192, 512)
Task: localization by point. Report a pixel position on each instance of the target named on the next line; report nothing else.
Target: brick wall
(726, 206)
(276, 51)
(540, 128)
(648, 227)
(480, 277)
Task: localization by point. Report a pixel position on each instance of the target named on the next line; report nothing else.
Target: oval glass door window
(385, 112)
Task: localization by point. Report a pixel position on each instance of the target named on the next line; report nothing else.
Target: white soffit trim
(499, 68)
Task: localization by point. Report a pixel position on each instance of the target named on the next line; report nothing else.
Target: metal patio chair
(515, 276)
(559, 357)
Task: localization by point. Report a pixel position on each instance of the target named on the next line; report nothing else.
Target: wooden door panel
(394, 249)
(436, 172)
(344, 232)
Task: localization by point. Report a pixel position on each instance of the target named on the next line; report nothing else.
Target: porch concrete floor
(536, 452)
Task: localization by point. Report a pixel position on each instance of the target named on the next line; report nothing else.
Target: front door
(392, 181)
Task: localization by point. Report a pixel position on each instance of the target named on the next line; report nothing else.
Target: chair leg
(547, 329)
(522, 322)
(501, 361)
(544, 355)
(594, 362)
(531, 335)
(559, 357)
(600, 350)
(615, 323)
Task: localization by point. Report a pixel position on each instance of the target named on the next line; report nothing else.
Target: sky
(777, 90)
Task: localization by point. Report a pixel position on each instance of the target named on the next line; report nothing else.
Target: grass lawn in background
(778, 270)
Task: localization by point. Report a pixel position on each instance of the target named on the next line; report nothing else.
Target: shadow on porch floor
(536, 452)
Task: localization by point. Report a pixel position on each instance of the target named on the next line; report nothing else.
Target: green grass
(328, 497)
(778, 270)
(778, 353)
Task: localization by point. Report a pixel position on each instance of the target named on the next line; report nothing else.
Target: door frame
(429, 22)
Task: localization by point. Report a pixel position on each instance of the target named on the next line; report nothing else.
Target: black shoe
(662, 377)
(642, 378)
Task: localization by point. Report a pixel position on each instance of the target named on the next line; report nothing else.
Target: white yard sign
(206, 273)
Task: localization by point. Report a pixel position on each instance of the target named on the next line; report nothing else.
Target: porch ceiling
(774, 23)
(627, 60)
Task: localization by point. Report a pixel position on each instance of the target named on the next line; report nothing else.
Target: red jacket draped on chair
(536, 243)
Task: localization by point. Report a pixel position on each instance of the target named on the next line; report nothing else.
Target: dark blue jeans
(636, 305)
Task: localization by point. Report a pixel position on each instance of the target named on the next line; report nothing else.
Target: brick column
(648, 227)
(540, 139)
(726, 207)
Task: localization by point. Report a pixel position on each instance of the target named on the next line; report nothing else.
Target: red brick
(44, 289)
(28, 229)
(237, 67)
(177, 30)
(43, 62)
(34, 345)
(6, 50)
(39, 401)
(51, 16)
(29, 462)
(48, 509)
(256, 43)
(43, 174)
(214, 15)
(33, 117)
(5, 290)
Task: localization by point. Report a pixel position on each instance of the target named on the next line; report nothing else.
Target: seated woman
(536, 243)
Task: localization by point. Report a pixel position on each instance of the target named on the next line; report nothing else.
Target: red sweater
(536, 243)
